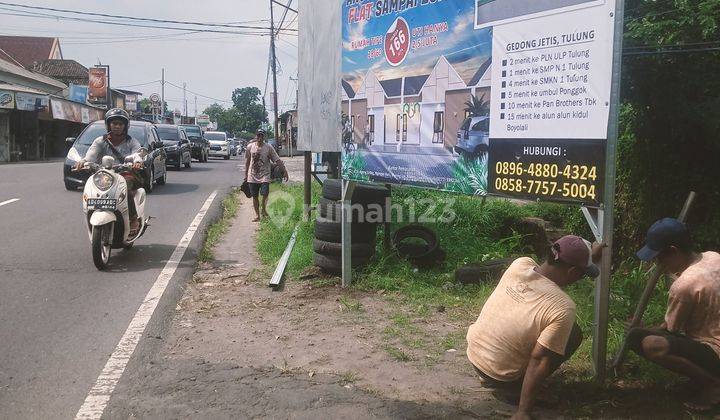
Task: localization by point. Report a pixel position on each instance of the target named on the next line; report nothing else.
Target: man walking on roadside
(527, 328)
(259, 158)
(688, 342)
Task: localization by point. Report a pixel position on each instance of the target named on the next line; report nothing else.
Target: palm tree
(477, 107)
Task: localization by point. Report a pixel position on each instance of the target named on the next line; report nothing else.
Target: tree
(248, 102)
(214, 111)
(670, 118)
(145, 106)
(477, 107)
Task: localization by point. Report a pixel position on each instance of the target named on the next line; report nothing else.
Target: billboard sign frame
(563, 144)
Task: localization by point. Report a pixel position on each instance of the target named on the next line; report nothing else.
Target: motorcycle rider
(118, 143)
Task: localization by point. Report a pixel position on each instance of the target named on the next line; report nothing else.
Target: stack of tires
(327, 246)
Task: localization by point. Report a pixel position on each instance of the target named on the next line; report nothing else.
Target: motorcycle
(106, 210)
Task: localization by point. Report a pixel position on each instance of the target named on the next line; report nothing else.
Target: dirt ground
(238, 349)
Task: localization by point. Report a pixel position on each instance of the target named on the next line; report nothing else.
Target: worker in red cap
(688, 342)
(527, 327)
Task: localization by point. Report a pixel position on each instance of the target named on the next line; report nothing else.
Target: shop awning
(72, 111)
(23, 98)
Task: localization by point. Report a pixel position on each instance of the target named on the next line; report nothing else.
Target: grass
(228, 208)
(479, 232)
(350, 304)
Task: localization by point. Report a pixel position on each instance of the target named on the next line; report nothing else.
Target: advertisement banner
(131, 102)
(78, 93)
(7, 99)
(31, 102)
(98, 85)
(71, 111)
(504, 97)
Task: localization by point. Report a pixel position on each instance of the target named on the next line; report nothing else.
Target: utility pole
(162, 100)
(184, 100)
(196, 108)
(274, 72)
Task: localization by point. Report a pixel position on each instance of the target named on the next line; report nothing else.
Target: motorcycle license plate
(102, 203)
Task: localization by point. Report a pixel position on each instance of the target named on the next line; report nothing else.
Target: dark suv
(177, 145)
(200, 146)
(142, 131)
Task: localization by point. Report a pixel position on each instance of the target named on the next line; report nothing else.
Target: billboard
(319, 53)
(131, 102)
(78, 93)
(504, 97)
(98, 85)
(31, 102)
(7, 99)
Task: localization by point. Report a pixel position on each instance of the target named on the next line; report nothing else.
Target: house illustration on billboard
(424, 110)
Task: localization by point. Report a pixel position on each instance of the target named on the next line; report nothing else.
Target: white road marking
(9, 201)
(99, 395)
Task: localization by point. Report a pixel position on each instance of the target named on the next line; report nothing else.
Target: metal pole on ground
(307, 185)
(348, 187)
(602, 286)
(647, 293)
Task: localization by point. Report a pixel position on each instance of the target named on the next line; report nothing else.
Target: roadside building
(35, 117)
(25, 51)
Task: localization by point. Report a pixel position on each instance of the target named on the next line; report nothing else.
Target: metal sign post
(605, 217)
(348, 187)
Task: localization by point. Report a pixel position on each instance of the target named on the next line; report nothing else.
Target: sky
(212, 64)
(463, 46)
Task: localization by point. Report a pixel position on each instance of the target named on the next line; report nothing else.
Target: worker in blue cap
(688, 342)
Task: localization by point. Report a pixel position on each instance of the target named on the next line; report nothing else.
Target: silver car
(473, 136)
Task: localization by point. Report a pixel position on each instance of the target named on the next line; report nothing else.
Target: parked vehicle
(233, 144)
(473, 136)
(177, 145)
(144, 132)
(200, 145)
(105, 203)
(219, 146)
(275, 144)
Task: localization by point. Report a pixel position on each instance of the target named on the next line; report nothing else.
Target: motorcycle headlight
(103, 180)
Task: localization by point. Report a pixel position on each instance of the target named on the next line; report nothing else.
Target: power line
(199, 94)
(181, 22)
(139, 84)
(136, 25)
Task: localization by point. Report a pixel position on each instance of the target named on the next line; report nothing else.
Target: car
(275, 144)
(200, 145)
(473, 136)
(233, 146)
(142, 131)
(177, 145)
(219, 146)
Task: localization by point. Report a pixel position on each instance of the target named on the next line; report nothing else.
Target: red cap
(577, 252)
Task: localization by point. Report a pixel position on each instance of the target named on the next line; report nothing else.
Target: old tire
(488, 271)
(363, 194)
(332, 210)
(334, 249)
(413, 250)
(333, 265)
(330, 231)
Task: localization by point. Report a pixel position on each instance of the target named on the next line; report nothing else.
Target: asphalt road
(60, 318)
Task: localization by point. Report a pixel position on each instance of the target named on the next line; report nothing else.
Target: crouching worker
(688, 342)
(527, 328)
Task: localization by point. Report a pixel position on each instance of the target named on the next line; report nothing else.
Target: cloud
(356, 32)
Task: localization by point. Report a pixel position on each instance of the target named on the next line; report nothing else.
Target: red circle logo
(397, 42)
